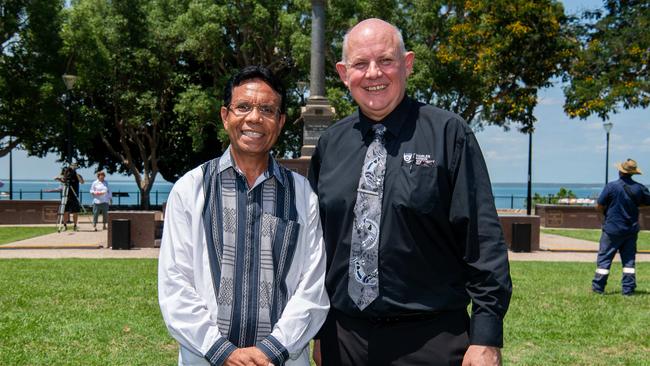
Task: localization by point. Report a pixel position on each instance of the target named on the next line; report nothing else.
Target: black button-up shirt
(441, 243)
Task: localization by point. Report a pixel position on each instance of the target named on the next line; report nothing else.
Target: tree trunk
(145, 203)
(6, 148)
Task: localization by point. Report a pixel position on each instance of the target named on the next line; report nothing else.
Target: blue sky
(564, 150)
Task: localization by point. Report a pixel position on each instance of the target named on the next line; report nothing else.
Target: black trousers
(439, 339)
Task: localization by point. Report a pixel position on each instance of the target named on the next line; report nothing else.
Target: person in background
(102, 196)
(242, 265)
(72, 179)
(619, 202)
(411, 231)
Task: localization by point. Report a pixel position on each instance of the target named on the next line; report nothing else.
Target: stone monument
(317, 114)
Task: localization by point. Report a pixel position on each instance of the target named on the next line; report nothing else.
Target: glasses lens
(243, 109)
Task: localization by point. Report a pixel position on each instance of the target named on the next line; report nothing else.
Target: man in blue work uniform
(619, 203)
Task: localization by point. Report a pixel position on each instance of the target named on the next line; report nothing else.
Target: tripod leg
(61, 221)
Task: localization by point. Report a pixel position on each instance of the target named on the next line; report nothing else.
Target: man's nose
(254, 115)
(374, 71)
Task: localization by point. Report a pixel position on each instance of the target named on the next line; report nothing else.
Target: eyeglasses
(243, 109)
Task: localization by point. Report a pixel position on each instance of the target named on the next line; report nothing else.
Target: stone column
(317, 114)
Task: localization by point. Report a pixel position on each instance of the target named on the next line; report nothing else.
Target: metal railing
(156, 197)
(517, 202)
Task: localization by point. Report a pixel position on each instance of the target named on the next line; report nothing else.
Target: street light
(608, 127)
(69, 81)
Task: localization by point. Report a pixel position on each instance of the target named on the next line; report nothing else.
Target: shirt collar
(273, 170)
(393, 121)
(627, 179)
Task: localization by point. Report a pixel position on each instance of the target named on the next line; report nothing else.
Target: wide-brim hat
(628, 167)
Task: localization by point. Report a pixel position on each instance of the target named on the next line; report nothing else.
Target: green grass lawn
(643, 243)
(10, 234)
(105, 312)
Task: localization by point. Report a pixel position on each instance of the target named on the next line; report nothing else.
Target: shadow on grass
(637, 293)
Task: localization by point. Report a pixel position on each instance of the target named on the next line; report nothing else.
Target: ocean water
(513, 195)
(506, 195)
(38, 190)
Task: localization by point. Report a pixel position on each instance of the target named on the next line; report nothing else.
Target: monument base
(300, 165)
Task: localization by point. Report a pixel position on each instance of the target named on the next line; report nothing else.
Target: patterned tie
(363, 283)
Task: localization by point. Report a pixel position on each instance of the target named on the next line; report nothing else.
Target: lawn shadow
(637, 293)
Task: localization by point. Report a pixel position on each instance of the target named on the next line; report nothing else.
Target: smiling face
(375, 68)
(252, 135)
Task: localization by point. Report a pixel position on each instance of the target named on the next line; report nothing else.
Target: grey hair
(400, 42)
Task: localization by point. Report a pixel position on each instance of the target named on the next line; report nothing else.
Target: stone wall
(144, 227)
(506, 225)
(28, 212)
(580, 217)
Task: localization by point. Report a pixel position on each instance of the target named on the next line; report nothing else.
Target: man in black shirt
(440, 241)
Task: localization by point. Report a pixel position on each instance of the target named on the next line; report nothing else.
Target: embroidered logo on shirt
(419, 159)
(408, 157)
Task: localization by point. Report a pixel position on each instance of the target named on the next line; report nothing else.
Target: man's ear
(343, 72)
(409, 58)
(224, 114)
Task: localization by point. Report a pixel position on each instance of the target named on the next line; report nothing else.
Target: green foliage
(486, 60)
(10, 234)
(30, 75)
(611, 68)
(562, 193)
(152, 72)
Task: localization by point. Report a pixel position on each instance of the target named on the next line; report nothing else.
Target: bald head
(375, 67)
(369, 26)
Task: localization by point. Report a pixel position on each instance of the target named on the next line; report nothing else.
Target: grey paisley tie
(363, 283)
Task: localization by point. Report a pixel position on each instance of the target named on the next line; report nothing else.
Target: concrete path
(87, 243)
(84, 243)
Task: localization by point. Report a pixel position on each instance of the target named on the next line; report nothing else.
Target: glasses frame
(254, 106)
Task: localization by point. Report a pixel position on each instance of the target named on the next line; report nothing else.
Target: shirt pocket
(279, 242)
(417, 182)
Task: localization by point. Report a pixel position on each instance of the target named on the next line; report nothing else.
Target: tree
(30, 75)
(611, 67)
(487, 59)
(126, 86)
(216, 38)
(483, 59)
(152, 72)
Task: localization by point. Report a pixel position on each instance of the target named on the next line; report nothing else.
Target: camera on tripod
(68, 174)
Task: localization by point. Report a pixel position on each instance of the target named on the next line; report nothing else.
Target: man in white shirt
(242, 265)
(101, 198)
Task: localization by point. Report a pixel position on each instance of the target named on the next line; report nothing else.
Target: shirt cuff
(486, 330)
(274, 350)
(220, 351)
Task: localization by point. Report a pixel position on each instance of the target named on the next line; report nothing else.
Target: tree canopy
(30, 74)
(151, 72)
(611, 67)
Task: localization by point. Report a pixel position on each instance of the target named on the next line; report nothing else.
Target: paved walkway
(87, 243)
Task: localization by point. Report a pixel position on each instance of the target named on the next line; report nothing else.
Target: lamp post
(608, 127)
(529, 188)
(69, 81)
(11, 170)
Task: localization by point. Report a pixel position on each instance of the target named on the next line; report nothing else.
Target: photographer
(72, 179)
